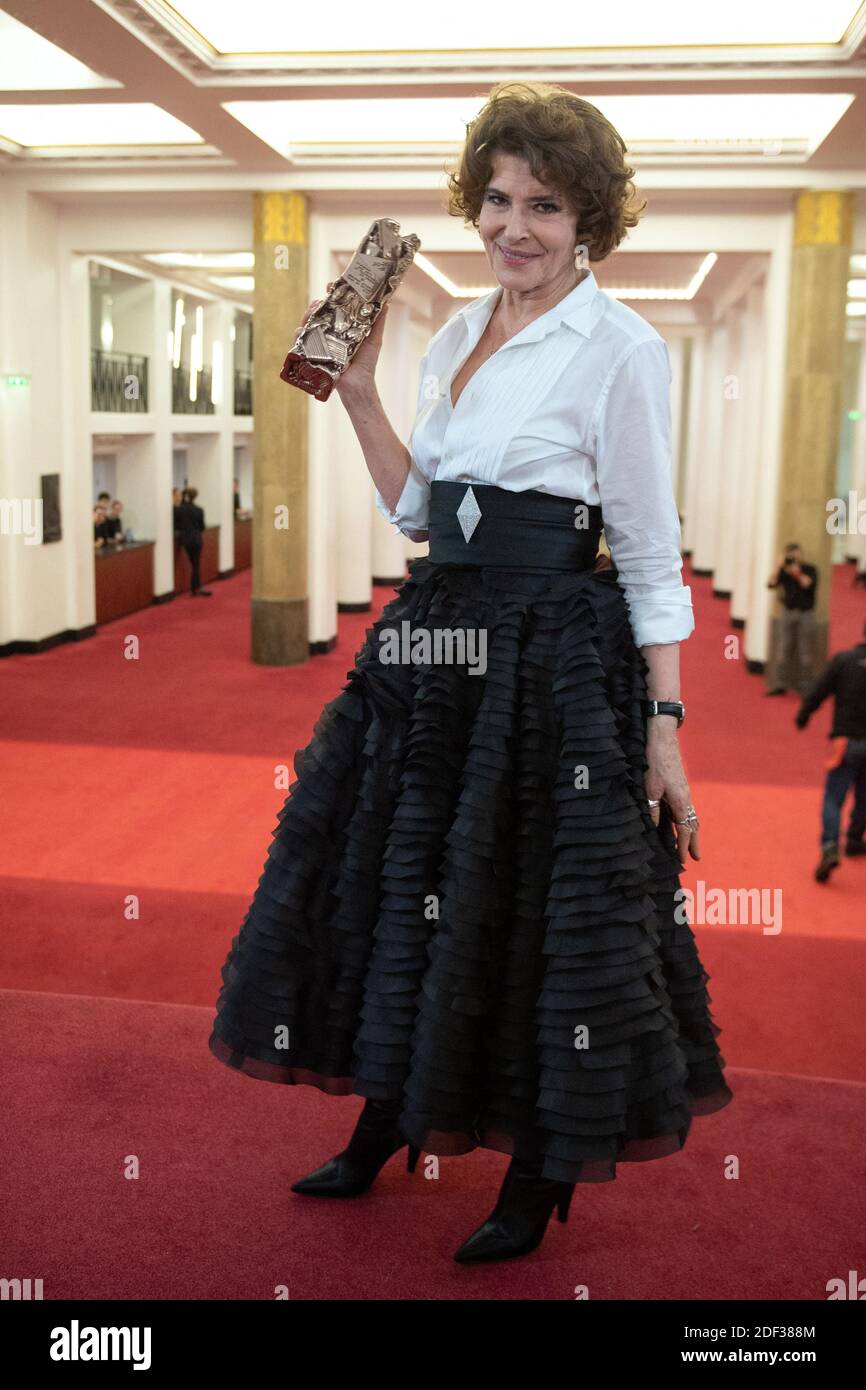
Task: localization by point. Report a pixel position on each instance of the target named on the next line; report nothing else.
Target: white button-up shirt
(576, 404)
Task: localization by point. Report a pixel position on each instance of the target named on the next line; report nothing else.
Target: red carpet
(154, 779)
(211, 1215)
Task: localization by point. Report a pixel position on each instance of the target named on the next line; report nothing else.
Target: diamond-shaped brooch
(468, 513)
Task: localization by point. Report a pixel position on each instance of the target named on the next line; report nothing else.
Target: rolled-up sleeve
(412, 509)
(635, 483)
(413, 505)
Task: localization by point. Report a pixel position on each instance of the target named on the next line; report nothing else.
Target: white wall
(48, 426)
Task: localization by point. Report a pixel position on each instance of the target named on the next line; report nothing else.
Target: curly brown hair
(567, 143)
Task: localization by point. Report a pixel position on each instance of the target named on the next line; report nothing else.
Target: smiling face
(531, 220)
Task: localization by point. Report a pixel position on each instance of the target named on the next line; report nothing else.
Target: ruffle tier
(445, 917)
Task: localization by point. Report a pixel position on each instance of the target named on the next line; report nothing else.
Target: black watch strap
(675, 707)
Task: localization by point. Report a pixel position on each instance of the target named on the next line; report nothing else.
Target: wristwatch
(666, 707)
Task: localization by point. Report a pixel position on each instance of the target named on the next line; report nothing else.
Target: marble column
(280, 489)
(733, 455)
(752, 460)
(704, 535)
(690, 485)
(813, 385)
(856, 539)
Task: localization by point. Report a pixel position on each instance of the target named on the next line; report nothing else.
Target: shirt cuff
(412, 511)
(660, 618)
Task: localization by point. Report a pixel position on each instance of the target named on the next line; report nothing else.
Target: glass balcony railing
(243, 392)
(180, 401)
(118, 381)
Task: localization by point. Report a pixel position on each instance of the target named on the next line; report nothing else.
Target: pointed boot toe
(348, 1174)
(519, 1220)
(493, 1241)
(333, 1179)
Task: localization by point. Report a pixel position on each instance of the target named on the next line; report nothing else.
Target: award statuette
(331, 336)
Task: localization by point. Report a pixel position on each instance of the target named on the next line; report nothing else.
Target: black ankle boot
(519, 1219)
(375, 1139)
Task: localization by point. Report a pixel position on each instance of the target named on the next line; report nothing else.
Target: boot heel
(412, 1158)
(563, 1204)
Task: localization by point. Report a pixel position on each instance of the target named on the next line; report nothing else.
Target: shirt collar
(575, 310)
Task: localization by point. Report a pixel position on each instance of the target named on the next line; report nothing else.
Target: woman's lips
(512, 257)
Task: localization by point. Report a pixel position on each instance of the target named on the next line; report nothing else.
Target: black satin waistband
(514, 530)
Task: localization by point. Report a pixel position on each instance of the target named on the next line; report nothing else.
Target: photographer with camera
(792, 657)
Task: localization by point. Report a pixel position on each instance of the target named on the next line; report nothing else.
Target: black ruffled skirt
(465, 902)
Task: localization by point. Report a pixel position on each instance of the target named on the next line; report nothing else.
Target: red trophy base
(299, 371)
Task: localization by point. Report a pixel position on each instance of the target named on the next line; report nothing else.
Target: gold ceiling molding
(168, 31)
(824, 218)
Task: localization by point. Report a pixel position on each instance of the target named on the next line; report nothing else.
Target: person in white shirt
(505, 961)
(587, 417)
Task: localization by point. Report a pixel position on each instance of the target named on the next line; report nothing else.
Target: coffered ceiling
(736, 105)
(263, 86)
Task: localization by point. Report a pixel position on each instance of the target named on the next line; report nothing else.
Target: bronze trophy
(331, 336)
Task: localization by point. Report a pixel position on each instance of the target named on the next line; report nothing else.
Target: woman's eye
(545, 206)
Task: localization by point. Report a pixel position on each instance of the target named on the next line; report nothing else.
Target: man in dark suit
(844, 677)
(189, 521)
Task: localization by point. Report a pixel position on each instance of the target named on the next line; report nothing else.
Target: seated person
(100, 520)
(114, 523)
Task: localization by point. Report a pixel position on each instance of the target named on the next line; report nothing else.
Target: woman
(469, 914)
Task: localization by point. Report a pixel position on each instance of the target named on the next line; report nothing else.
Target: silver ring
(653, 803)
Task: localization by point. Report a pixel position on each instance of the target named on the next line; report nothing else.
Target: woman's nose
(516, 224)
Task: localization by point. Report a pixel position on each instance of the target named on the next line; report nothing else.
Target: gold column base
(279, 631)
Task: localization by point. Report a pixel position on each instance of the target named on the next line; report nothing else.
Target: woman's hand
(666, 779)
(361, 371)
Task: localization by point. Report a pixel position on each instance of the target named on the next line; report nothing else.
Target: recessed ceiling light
(32, 64)
(245, 284)
(98, 124)
(685, 292)
(670, 292)
(258, 26)
(204, 260)
(756, 123)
